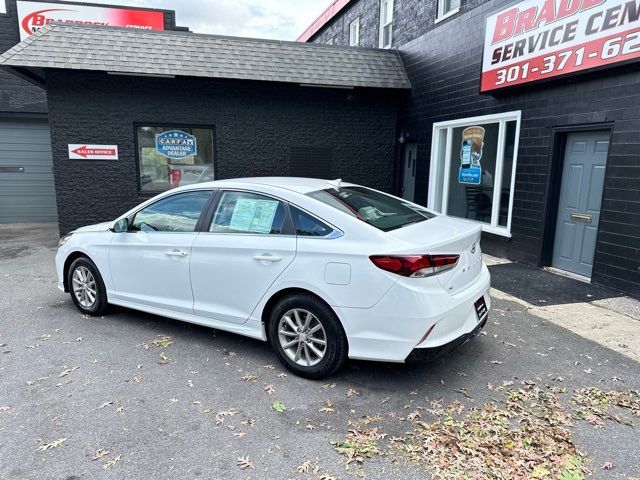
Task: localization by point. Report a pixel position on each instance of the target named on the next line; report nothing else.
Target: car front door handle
(176, 253)
(267, 258)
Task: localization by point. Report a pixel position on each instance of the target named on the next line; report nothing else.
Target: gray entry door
(580, 200)
(409, 182)
(27, 192)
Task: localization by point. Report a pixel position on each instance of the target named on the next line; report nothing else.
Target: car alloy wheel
(302, 337)
(84, 286)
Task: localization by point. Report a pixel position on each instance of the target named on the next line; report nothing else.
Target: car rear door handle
(176, 253)
(267, 258)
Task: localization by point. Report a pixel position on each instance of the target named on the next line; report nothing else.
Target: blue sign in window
(470, 176)
(176, 144)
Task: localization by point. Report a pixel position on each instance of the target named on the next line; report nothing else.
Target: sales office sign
(541, 39)
(84, 151)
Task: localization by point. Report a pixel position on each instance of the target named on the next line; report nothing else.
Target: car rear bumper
(398, 323)
(435, 352)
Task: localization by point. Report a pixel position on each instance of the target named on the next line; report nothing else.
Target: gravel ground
(192, 408)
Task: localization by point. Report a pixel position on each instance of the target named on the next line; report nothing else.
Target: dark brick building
(237, 99)
(441, 43)
(550, 168)
(27, 191)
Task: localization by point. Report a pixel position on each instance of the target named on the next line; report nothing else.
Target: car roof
(296, 184)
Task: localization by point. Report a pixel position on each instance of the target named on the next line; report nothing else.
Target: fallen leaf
(163, 342)
(112, 463)
(279, 407)
(99, 454)
(163, 359)
(220, 416)
(304, 467)
(270, 389)
(68, 371)
(54, 444)
(328, 407)
(244, 463)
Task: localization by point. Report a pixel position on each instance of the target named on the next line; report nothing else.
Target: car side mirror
(121, 226)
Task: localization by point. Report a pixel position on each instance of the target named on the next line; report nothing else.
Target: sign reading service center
(540, 39)
(35, 15)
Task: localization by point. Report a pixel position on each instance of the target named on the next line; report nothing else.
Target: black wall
(256, 127)
(16, 95)
(411, 18)
(443, 62)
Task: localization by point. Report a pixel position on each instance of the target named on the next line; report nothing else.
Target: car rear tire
(307, 336)
(86, 287)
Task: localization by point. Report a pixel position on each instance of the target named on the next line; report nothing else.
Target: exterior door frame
(555, 167)
(403, 168)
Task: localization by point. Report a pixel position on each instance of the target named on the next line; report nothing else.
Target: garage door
(27, 191)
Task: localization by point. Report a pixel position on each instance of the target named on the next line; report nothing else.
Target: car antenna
(337, 184)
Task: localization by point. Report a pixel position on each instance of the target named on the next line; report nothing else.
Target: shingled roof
(146, 52)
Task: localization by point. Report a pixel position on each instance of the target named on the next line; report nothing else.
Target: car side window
(245, 212)
(307, 225)
(177, 213)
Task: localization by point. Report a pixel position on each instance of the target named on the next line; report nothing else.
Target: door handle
(176, 253)
(580, 217)
(267, 258)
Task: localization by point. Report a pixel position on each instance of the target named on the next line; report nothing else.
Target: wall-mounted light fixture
(404, 136)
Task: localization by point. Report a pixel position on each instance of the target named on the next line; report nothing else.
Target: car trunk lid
(441, 236)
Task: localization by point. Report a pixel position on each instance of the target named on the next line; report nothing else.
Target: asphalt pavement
(136, 396)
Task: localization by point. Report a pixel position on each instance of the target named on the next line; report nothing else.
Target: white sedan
(323, 270)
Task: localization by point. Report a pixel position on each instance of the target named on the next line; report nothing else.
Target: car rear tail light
(415, 266)
(175, 178)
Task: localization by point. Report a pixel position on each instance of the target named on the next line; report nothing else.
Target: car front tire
(307, 336)
(86, 287)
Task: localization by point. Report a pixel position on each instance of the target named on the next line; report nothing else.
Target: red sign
(540, 39)
(35, 15)
(93, 152)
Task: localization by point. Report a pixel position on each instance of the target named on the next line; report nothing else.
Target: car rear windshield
(382, 211)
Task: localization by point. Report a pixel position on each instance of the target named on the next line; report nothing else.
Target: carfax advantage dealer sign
(540, 39)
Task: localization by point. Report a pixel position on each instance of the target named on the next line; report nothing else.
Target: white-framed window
(446, 8)
(331, 41)
(473, 169)
(354, 33)
(3, 6)
(386, 23)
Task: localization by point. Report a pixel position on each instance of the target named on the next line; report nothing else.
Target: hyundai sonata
(323, 270)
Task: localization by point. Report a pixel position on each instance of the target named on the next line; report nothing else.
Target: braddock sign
(541, 39)
(35, 15)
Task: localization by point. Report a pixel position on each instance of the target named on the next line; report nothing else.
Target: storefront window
(170, 157)
(472, 169)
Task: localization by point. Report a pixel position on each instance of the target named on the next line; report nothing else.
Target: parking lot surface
(131, 395)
